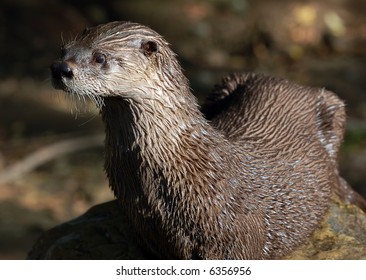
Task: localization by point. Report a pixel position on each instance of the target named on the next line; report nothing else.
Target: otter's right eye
(100, 58)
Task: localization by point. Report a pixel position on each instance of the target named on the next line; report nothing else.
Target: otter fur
(249, 176)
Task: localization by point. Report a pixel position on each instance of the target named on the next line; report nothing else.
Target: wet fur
(248, 177)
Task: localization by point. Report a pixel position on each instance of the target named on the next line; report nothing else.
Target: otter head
(118, 59)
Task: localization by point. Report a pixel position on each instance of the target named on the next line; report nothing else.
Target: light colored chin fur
(82, 103)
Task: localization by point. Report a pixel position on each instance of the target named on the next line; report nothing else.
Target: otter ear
(149, 47)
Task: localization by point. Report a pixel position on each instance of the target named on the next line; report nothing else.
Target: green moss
(354, 140)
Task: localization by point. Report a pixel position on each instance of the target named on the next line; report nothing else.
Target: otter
(247, 176)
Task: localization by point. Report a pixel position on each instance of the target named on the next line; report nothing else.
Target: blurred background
(317, 43)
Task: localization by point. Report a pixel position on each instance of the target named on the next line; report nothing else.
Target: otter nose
(61, 69)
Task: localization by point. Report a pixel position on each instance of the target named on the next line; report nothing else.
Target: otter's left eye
(100, 58)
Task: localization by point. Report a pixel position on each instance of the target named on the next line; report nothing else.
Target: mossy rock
(341, 236)
(103, 233)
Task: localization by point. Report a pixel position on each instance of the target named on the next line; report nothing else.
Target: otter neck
(150, 144)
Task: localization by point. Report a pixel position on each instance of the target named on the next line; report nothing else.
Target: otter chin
(249, 175)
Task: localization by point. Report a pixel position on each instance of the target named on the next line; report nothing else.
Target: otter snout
(60, 70)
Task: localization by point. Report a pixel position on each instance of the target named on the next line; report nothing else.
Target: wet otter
(247, 177)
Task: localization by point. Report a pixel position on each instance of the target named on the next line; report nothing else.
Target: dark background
(318, 43)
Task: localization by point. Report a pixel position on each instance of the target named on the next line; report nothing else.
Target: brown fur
(251, 180)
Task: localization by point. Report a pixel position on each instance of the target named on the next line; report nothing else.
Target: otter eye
(100, 58)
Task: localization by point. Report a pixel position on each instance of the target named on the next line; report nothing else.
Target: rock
(341, 236)
(103, 233)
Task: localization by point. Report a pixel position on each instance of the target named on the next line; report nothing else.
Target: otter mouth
(60, 71)
(62, 75)
(58, 84)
